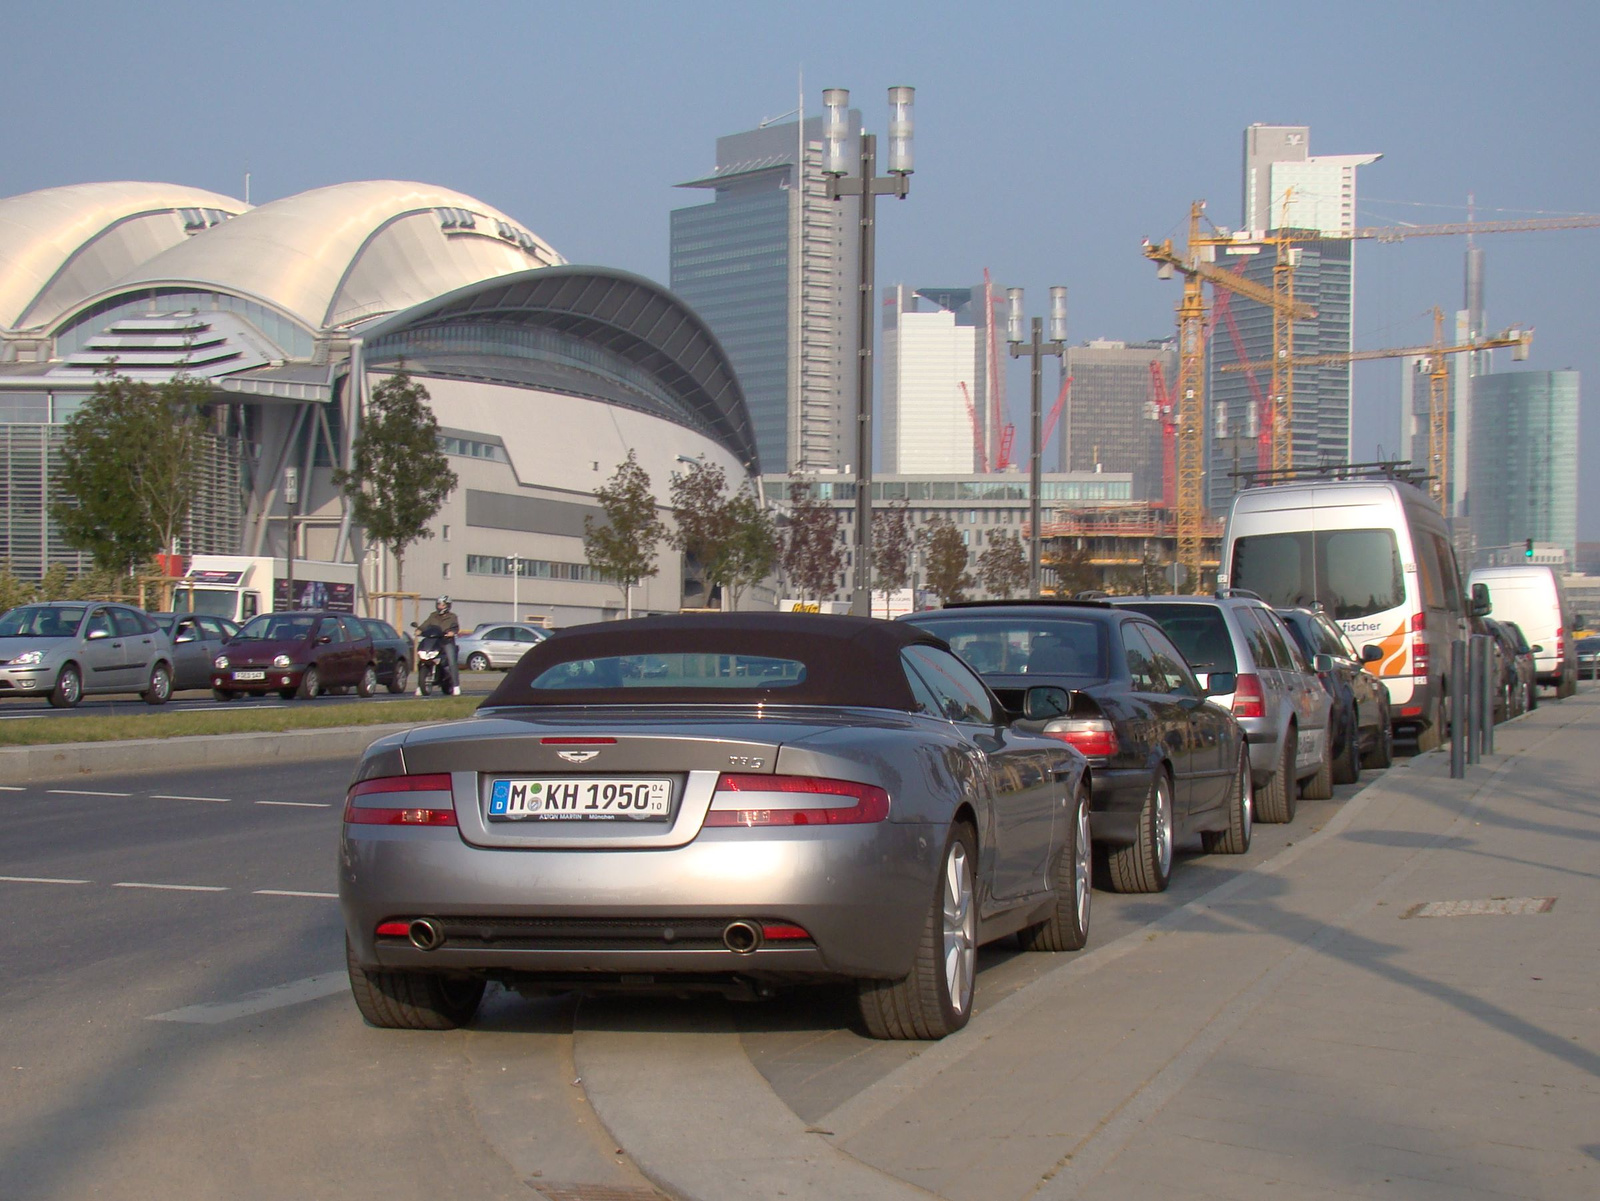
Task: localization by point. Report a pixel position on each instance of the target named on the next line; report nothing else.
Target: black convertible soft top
(848, 660)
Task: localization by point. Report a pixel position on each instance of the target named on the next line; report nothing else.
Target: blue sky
(1050, 138)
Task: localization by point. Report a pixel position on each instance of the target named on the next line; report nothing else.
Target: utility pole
(868, 186)
(1036, 348)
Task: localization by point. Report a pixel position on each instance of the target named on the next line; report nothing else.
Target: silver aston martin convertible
(729, 802)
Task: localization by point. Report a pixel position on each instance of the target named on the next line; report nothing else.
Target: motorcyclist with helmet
(443, 622)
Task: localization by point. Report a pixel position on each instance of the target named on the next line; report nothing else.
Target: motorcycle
(433, 666)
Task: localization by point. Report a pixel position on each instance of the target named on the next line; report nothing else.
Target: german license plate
(590, 798)
(249, 675)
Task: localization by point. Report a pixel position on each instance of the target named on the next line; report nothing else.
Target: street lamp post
(291, 499)
(516, 575)
(868, 186)
(1036, 348)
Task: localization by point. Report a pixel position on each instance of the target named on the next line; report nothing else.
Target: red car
(296, 654)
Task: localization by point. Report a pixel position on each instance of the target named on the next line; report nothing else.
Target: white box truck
(240, 586)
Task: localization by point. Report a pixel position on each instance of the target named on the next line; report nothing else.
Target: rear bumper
(862, 893)
(1117, 799)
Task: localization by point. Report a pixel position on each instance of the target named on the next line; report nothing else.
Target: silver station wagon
(730, 802)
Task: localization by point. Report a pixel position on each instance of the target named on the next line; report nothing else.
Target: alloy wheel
(1083, 867)
(960, 929)
(1163, 825)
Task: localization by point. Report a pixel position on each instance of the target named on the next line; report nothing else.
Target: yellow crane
(1196, 267)
(1438, 378)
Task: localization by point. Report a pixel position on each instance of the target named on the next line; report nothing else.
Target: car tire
(1277, 803)
(935, 999)
(1382, 753)
(310, 685)
(401, 677)
(159, 690)
(400, 1000)
(1235, 840)
(477, 661)
(1319, 787)
(69, 688)
(223, 694)
(369, 681)
(1347, 769)
(1145, 865)
(1067, 927)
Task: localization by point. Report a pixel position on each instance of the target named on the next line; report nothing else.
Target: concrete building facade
(769, 264)
(1110, 420)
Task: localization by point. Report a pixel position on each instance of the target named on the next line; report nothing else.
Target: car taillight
(1561, 642)
(781, 801)
(1248, 699)
(415, 815)
(1096, 737)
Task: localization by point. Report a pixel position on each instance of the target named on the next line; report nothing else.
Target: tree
(398, 476)
(947, 561)
(623, 548)
(1147, 578)
(1074, 570)
(130, 457)
(1003, 566)
(751, 554)
(701, 521)
(892, 545)
(812, 555)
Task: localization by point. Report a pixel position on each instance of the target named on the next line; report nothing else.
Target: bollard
(1474, 687)
(1491, 675)
(1458, 694)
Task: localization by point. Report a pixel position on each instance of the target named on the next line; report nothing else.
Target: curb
(69, 760)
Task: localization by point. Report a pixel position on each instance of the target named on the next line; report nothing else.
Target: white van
(1376, 555)
(1532, 596)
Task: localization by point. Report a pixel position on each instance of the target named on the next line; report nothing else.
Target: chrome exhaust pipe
(426, 934)
(741, 937)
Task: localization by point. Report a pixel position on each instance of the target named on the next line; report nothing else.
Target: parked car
(1162, 763)
(197, 639)
(1589, 658)
(1532, 595)
(1511, 692)
(1377, 556)
(393, 653)
(65, 650)
(1527, 665)
(303, 653)
(1361, 732)
(797, 798)
(497, 645)
(1276, 698)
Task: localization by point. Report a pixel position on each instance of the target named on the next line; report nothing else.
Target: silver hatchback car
(65, 649)
(1278, 699)
(497, 645)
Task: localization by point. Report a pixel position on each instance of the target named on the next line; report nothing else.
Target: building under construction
(1121, 548)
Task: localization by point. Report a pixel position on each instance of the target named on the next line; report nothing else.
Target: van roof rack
(1228, 593)
(1400, 470)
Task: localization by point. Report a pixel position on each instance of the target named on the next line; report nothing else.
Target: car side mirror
(1221, 683)
(1322, 664)
(96, 634)
(1044, 701)
(1371, 653)
(1482, 606)
(184, 636)
(324, 639)
(1536, 649)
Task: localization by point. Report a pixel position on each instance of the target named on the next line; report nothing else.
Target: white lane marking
(84, 792)
(159, 796)
(41, 880)
(174, 887)
(12, 788)
(296, 992)
(290, 892)
(300, 804)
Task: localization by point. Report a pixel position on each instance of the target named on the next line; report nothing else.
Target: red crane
(1055, 414)
(980, 455)
(1166, 412)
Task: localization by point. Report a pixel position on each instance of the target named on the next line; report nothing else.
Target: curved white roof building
(543, 375)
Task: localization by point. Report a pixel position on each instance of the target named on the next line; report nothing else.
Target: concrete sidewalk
(1305, 1030)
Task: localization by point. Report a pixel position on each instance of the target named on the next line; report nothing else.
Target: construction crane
(1438, 380)
(1196, 268)
(979, 451)
(1161, 409)
(1054, 416)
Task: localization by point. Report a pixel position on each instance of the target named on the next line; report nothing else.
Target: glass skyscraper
(1524, 460)
(770, 266)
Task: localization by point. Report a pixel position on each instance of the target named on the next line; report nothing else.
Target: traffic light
(1527, 550)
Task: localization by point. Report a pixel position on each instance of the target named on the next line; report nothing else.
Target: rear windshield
(1350, 573)
(40, 621)
(1200, 631)
(1028, 645)
(673, 670)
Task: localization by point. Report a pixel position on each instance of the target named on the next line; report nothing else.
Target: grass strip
(177, 724)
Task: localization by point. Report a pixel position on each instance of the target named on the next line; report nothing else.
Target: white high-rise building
(939, 383)
(1287, 187)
